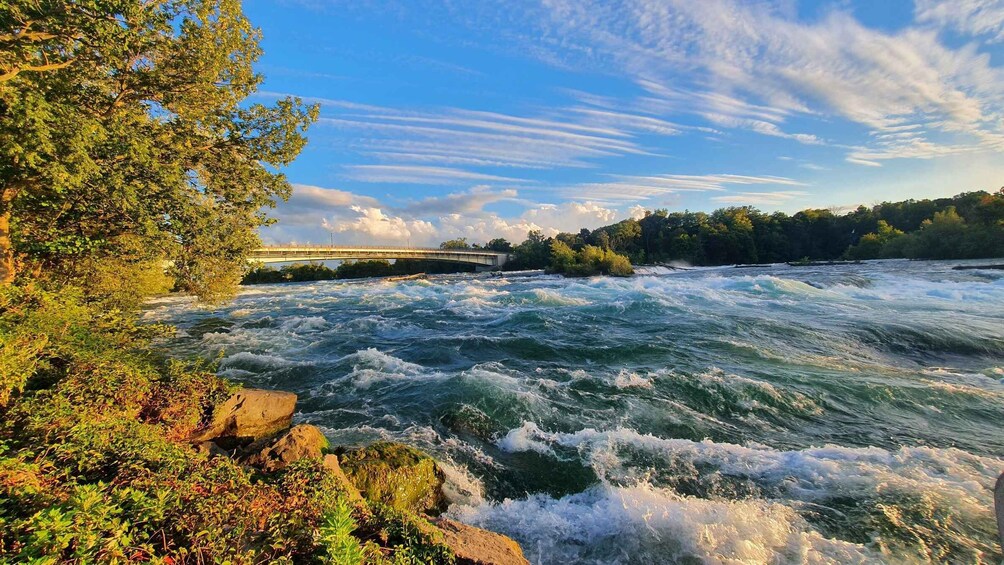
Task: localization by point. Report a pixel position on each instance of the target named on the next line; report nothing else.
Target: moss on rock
(397, 475)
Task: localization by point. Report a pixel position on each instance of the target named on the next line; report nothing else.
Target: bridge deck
(289, 253)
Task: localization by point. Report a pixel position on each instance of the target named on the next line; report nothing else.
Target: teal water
(849, 414)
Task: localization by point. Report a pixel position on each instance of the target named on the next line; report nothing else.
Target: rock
(330, 462)
(397, 475)
(210, 449)
(474, 546)
(300, 442)
(248, 415)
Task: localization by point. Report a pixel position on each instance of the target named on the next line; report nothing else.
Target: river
(839, 414)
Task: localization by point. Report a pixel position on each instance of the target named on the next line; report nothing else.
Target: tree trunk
(6, 249)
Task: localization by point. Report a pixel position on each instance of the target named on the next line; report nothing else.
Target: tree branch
(8, 75)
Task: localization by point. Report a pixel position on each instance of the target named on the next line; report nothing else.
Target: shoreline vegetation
(136, 162)
(110, 452)
(966, 226)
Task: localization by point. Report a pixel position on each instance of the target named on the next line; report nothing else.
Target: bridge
(483, 258)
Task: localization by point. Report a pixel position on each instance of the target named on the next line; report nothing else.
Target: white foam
(260, 361)
(371, 366)
(645, 524)
(300, 324)
(629, 379)
(953, 481)
(552, 297)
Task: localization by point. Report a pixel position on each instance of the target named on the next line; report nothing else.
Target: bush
(588, 261)
(95, 466)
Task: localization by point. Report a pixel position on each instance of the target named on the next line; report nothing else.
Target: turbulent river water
(844, 414)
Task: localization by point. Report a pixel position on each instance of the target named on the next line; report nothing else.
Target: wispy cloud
(636, 188)
(468, 202)
(568, 137)
(971, 17)
(753, 66)
(760, 198)
(415, 174)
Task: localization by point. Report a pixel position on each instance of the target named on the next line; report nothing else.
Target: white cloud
(572, 216)
(760, 198)
(635, 188)
(416, 174)
(568, 137)
(373, 225)
(754, 66)
(302, 217)
(972, 17)
(471, 201)
(316, 214)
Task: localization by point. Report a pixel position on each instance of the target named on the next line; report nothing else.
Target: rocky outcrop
(254, 426)
(299, 442)
(330, 463)
(397, 475)
(474, 546)
(249, 415)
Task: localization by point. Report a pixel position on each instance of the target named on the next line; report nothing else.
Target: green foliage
(499, 244)
(362, 269)
(123, 134)
(969, 225)
(335, 537)
(95, 464)
(877, 244)
(396, 475)
(588, 261)
(533, 253)
(459, 243)
(411, 539)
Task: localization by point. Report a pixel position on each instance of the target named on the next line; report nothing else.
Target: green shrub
(588, 261)
(95, 467)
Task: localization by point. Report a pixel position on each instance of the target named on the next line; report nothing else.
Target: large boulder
(474, 546)
(397, 475)
(249, 415)
(300, 442)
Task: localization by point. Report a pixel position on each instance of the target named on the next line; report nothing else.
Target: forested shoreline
(967, 226)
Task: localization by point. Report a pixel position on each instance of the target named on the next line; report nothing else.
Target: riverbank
(111, 453)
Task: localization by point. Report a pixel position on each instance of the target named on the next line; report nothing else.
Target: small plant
(335, 537)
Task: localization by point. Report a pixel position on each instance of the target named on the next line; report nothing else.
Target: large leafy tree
(126, 139)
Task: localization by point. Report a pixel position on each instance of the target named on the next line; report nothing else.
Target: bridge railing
(309, 247)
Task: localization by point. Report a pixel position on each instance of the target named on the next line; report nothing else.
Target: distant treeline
(967, 226)
(299, 272)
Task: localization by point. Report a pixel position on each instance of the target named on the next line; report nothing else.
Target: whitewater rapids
(843, 414)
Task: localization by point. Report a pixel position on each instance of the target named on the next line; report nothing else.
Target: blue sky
(489, 118)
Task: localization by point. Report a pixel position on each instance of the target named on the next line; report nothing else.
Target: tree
(562, 256)
(533, 253)
(499, 244)
(136, 132)
(876, 244)
(459, 243)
